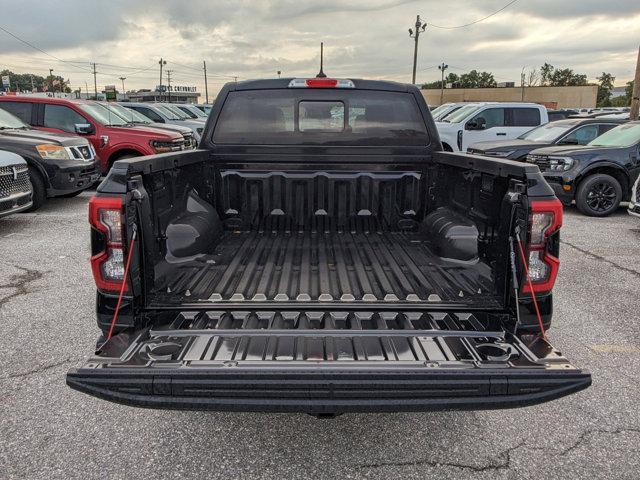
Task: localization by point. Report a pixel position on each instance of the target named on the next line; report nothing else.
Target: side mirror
(477, 123)
(84, 128)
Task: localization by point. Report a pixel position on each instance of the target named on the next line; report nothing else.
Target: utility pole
(419, 28)
(122, 79)
(95, 82)
(635, 94)
(522, 85)
(86, 89)
(51, 79)
(161, 62)
(169, 72)
(206, 87)
(442, 67)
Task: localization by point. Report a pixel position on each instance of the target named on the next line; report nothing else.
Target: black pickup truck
(321, 253)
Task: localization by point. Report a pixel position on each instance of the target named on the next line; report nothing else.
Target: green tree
(566, 77)
(629, 91)
(26, 82)
(475, 79)
(451, 78)
(605, 86)
(546, 71)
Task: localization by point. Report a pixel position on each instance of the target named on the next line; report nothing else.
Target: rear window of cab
(320, 117)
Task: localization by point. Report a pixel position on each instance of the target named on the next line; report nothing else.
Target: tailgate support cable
(122, 288)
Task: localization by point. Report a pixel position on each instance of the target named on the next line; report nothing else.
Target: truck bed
(327, 267)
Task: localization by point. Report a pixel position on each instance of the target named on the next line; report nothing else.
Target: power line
(39, 49)
(475, 21)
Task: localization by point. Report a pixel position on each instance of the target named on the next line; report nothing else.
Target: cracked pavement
(47, 326)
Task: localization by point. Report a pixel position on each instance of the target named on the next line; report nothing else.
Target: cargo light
(105, 216)
(321, 83)
(545, 220)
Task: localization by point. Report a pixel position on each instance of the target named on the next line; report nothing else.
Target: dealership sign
(175, 88)
(6, 82)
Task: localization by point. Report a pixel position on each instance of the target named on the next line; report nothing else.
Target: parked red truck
(112, 137)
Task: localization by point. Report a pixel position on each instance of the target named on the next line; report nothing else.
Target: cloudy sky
(368, 38)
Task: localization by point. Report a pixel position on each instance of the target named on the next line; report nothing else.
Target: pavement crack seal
(602, 259)
(20, 282)
(584, 436)
(502, 461)
(41, 368)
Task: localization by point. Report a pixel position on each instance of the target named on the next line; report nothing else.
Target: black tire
(599, 195)
(39, 189)
(123, 157)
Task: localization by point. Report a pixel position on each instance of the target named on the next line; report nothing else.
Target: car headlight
(561, 164)
(499, 154)
(55, 152)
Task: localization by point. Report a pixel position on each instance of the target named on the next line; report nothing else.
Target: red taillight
(545, 220)
(321, 82)
(105, 215)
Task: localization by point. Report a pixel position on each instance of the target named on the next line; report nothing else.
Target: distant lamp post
(278, 72)
(420, 26)
(122, 79)
(442, 67)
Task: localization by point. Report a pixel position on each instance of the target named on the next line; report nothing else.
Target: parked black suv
(560, 132)
(59, 165)
(599, 175)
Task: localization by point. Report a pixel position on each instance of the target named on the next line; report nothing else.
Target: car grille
(82, 152)
(542, 161)
(189, 141)
(14, 179)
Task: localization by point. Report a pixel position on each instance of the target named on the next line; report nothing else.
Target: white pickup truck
(484, 121)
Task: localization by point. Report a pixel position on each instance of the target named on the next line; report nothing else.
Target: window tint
(62, 118)
(493, 117)
(147, 112)
(525, 117)
(581, 135)
(22, 110)
(605, 127)
(317, 117)
(321, 116)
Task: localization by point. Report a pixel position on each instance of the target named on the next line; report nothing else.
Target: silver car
(192, 111)
(15, 187)
(158, 112)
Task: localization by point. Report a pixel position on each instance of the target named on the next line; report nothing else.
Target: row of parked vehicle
(590, 158)
(61, 146)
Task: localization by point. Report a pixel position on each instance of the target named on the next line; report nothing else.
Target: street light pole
(51, 80)
(442, 67)
(122, 79)
(419, 28)
(161, 62)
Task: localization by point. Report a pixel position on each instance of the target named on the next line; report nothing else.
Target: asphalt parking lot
(47, 326)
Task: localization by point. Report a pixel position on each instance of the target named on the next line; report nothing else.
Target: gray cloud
(362, 38)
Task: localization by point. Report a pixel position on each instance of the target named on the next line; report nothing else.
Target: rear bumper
(326, 389)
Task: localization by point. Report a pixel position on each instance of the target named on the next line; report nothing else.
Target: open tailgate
(327, 362)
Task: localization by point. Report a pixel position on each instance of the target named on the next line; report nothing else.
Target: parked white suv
(479, 122)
